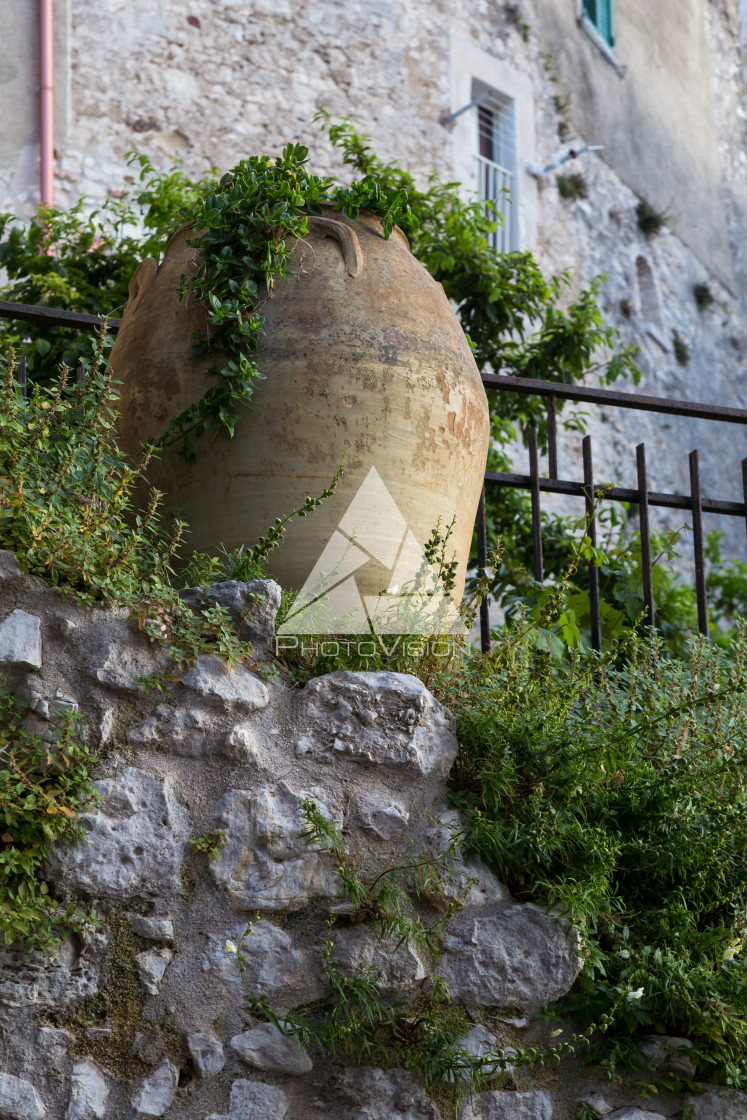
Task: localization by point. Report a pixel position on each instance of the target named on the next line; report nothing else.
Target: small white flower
(730, 953)
(231, 948)
(636, 994)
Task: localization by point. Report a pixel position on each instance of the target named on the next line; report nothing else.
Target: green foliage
(66, 490)
(513, 316)
(617, 791)
(355, 1022)
(572, 186)
(43, 787)
(245, 229)
(385, 900)
(82, 260)
(681, 349)
(650, 220)
(211, 843)
(703, 296)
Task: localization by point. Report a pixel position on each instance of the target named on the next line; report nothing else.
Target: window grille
(496, 160)
(599, 14)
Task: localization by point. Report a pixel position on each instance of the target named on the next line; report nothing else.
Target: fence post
(536, 510)
(482, 563)
(697, 508)
(552, 438)
(596, 622)
(646, 572)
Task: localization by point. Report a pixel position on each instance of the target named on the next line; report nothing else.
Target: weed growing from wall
(703, 296)
(650, 220)
(356, 1022)
(42, 790)
(680, 348)
(572, 186)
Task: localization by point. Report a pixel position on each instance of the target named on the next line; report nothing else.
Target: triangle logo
(410, 601)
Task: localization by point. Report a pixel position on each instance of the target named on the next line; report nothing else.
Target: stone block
(717, 1104)
(478, 1042)
(89, 1092)
(668, 1053)
(266, 864)
(394, 1094)
(134, 842)
(151, 966)
(252, 606)
(156, 1092)
(182, 731)
(206, 1050)
(153, 929)
(236, 689)
(253, 1100)
(385, 818)
(503, 1104)
(20, 642)
(266, 1048)
(509, 957)
(359, 950)
(119, 667)
(9, 567)
(380, 719)
(271, 964)
(19, 1099)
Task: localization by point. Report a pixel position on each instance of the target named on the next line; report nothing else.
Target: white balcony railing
(494, 185)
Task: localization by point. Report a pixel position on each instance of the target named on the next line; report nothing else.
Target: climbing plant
(246, 226)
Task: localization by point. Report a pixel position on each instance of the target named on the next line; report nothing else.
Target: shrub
(619, 795)
(82, 260)
(66, 491)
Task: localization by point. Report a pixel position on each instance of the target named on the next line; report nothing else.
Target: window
(599, 14)
(496, 166)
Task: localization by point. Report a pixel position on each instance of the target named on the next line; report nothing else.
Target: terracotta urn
(362, 353)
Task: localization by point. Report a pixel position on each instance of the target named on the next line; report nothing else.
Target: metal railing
(592, 491)
(537, 484)
(494, 186)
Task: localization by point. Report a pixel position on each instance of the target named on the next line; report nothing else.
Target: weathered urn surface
(362, 351)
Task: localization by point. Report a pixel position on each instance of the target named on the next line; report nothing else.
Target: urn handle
(347, 238)
(142, 278)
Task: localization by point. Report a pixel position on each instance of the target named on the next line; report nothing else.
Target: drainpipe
(46, 101)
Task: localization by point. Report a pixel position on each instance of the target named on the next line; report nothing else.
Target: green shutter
(599, 15)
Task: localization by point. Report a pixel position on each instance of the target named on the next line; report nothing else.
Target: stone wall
(146, 1015)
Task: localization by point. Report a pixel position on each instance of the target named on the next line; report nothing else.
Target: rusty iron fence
(592, 491)
(587, 489)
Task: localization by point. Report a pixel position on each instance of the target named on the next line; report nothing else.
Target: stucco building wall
(210, 81)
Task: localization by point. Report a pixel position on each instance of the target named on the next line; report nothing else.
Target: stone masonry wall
(147, 1016)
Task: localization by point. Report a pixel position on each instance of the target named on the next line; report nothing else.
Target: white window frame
(470, 66)
(497, 179)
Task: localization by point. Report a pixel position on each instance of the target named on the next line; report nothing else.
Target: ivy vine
(246, 226)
